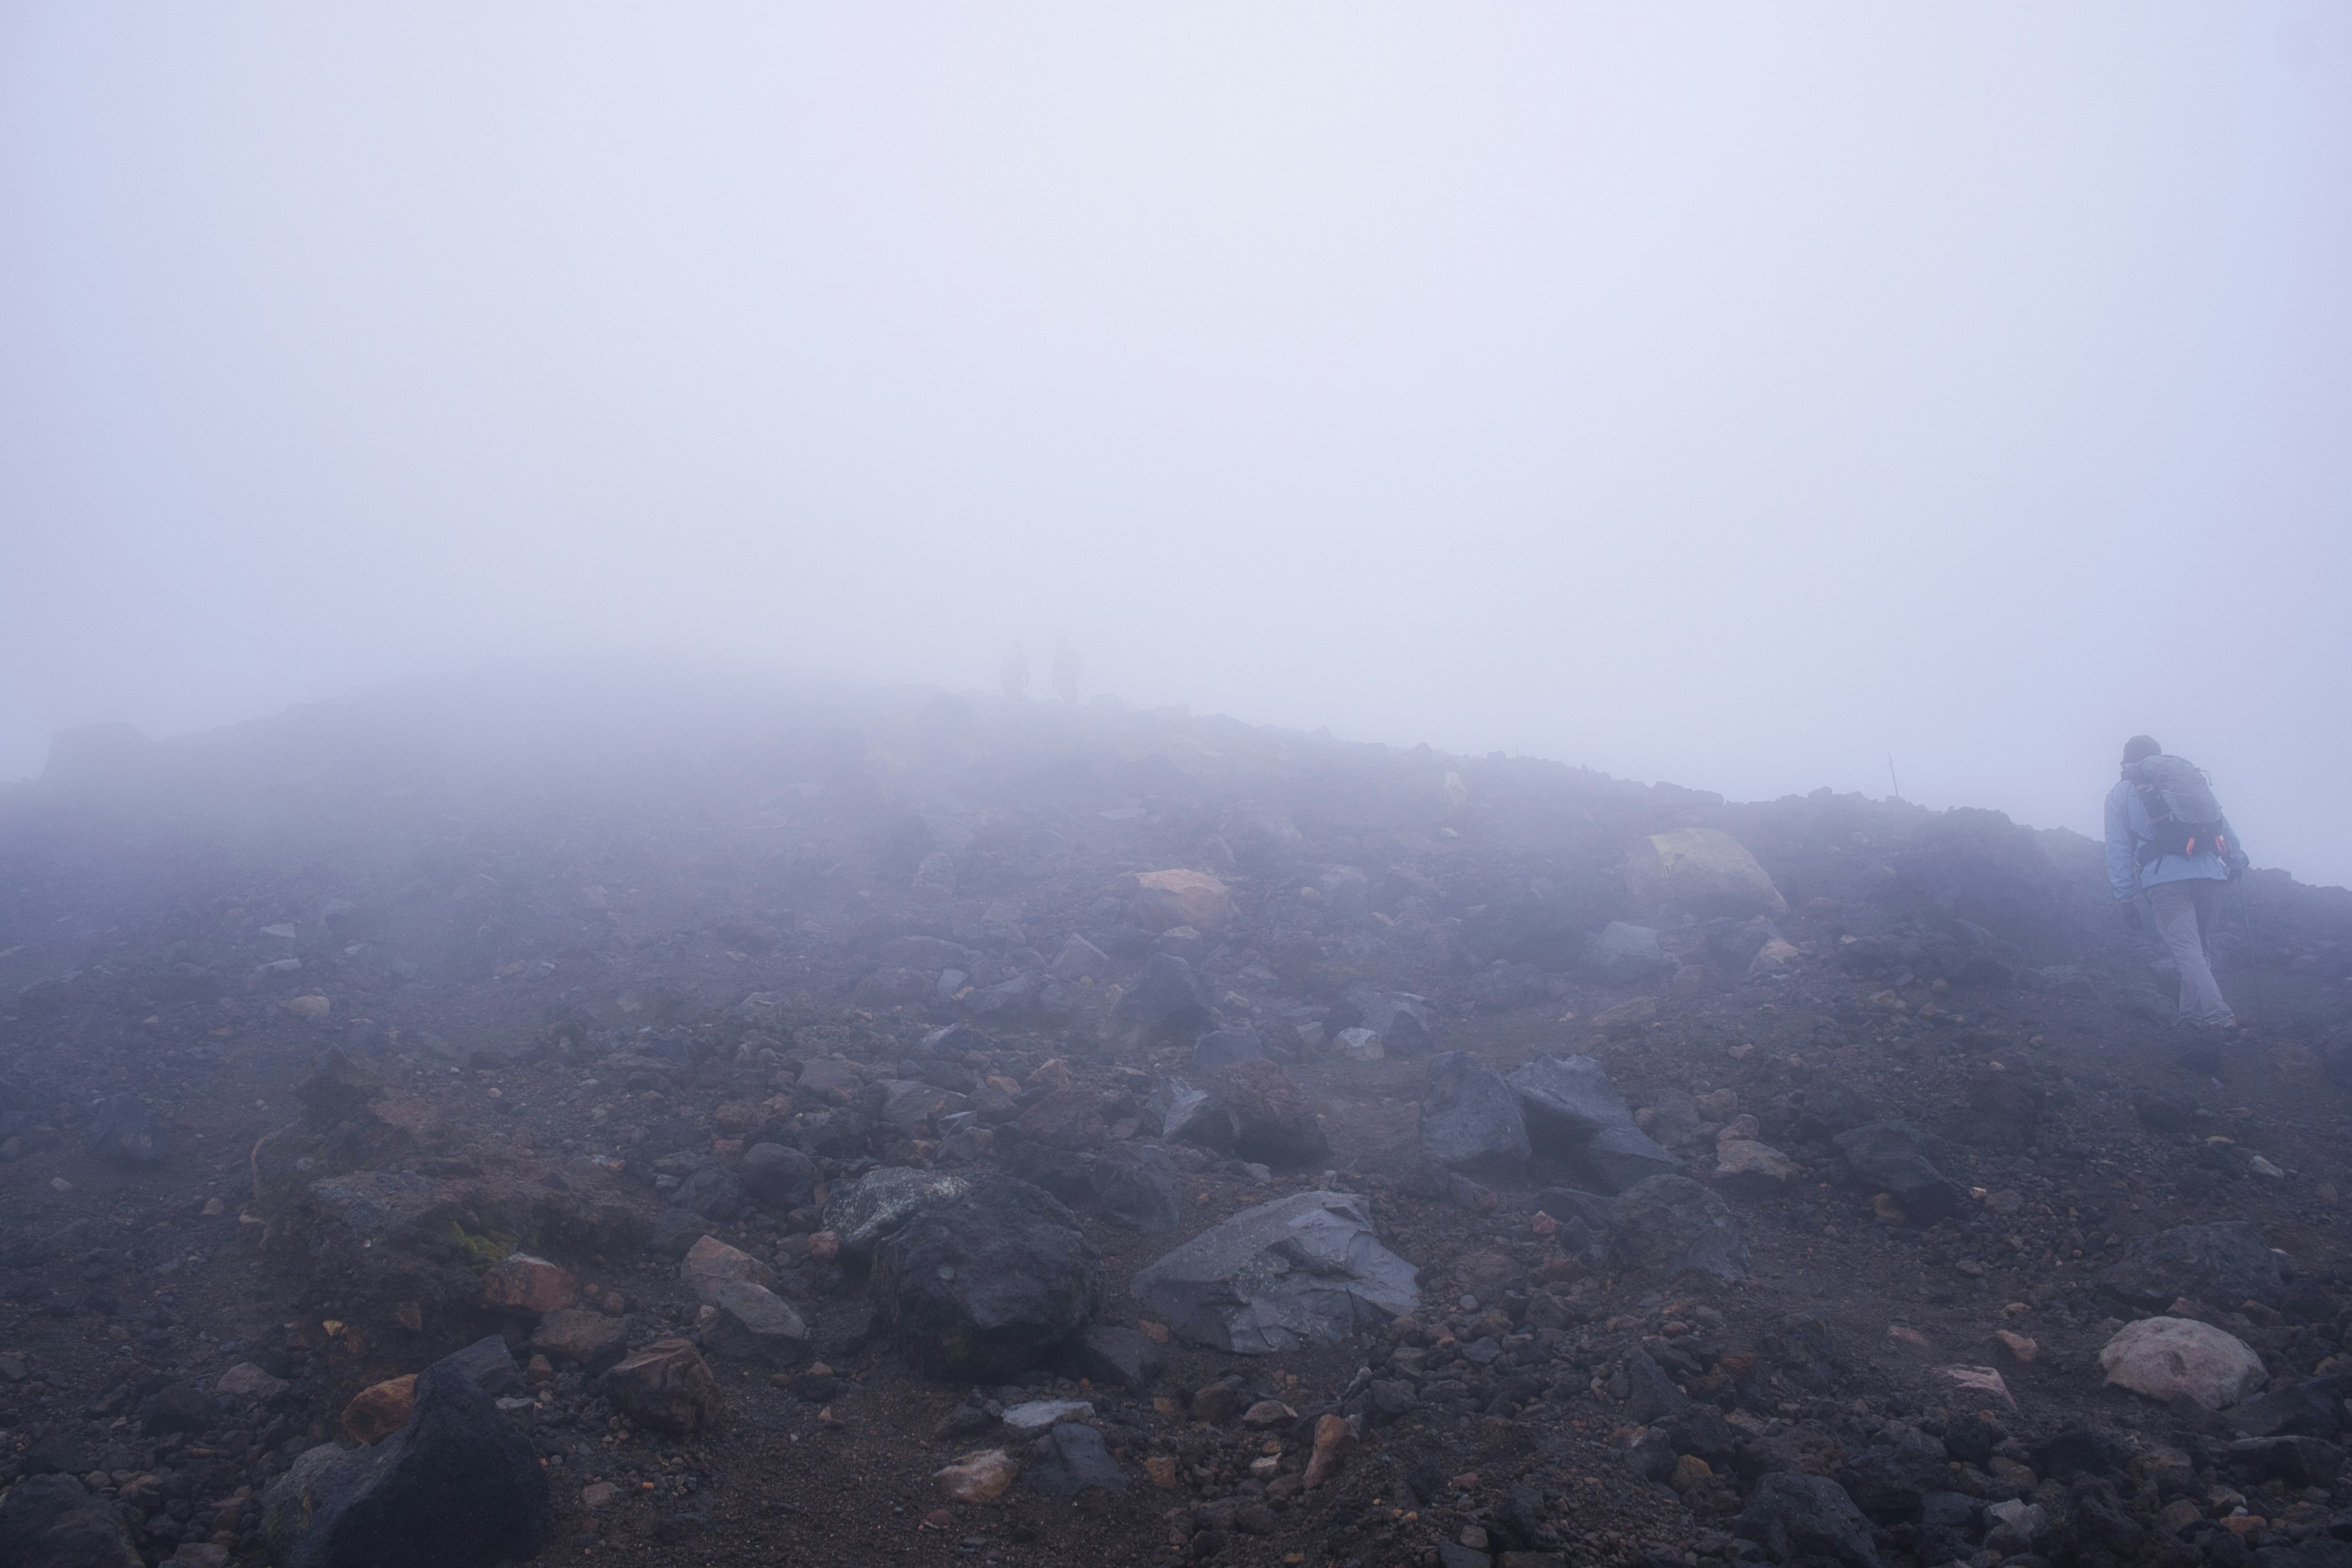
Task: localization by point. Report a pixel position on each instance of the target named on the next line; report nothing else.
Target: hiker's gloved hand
(2131, 915)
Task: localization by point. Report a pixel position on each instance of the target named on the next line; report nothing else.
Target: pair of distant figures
(1014, 672)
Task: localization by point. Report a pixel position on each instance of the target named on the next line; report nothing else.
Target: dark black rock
(1803, 1518)
(1651, 1395)
(1574, 1113)
(1891, 1157)
(2298, 1461)
(1669, 1227)
(1213, 1053)
(122, 1132)
(1167, 998)
(2165, 1112)
(1134, 1185)
(1947, 1527)
(777, 1176)
(1830, 1109)
(2082, 1451)
(1118, 1357)
(178, 1408)
(459, 1485)
(2311, 1408)
(676, 1229)
(1887, 1480)
(713, 1193)
(489, 1363)
(1701, 1429)
(2221, 1265)
(984, 1278)
(1271, 1117)
(1070, 1459)
(1469, 1116)
(50, 1522)
(1969, 1440)
(58, 1454)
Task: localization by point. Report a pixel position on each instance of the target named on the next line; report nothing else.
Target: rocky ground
(735, 1125)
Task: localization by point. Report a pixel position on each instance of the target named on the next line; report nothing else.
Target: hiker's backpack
(2183, 817)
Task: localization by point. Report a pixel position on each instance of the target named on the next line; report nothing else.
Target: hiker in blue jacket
(2168, 871)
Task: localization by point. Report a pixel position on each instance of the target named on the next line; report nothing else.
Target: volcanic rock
(1306, 1270)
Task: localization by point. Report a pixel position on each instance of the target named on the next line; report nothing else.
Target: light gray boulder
(1307, 1270)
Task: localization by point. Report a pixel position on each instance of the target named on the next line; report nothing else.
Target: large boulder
(2164, 1358)
(1891, 1157)
(1468, 1115)
(1574, 1113)
(1307, 1270)
(985, 1283)
(1668, 1226)
(1807, 1519)
(2221, 1264)
(51, 1521)
(1165, 900)
(1702, 872)
(458, 1484)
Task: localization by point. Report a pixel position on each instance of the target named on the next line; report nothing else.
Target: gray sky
(1730, 395)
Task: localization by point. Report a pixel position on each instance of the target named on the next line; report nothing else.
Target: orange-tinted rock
(523, 1283)
(1165, 900)
(978, 1478)
(378, 1411)
(1335, 1439)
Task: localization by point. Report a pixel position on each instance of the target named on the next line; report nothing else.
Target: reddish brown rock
(523, 1283)
(666, 1386)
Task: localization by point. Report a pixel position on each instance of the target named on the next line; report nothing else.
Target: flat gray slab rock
(1307, 1270)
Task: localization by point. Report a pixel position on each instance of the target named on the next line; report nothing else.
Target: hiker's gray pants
(2183, 915)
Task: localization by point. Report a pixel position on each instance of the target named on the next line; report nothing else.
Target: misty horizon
(1737, 401)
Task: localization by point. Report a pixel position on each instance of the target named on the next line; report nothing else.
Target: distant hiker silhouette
(1066, 671)
(1014, 673)
(2170, 849)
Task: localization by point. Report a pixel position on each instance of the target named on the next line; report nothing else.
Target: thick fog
(1741, 396)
